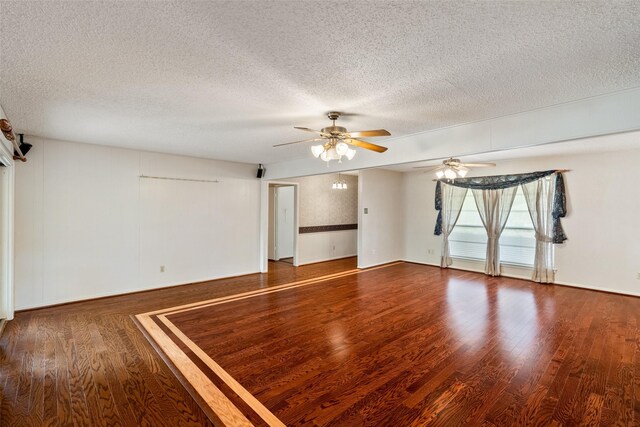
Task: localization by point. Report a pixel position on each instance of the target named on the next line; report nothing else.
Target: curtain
(497, 182)
(494, 207)
(451, 202)
(541, 196)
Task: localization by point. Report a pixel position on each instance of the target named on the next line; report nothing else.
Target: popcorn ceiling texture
(321, 205)
(228, 80)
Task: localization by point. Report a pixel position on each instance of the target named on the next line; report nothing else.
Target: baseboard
(326, 259)
(594, 288)
(560, 283)
(131, 292)
(380, 263)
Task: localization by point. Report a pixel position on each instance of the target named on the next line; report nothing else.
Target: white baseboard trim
(560, 283)
(131, 291)
(380, 263)
(306, 262)
(595, 288)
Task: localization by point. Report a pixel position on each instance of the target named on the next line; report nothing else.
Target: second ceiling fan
(453, 168)
(337, 141)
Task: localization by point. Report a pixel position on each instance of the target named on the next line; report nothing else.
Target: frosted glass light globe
(342, 148)
(450, 173)
(350, 153)
(316, 150)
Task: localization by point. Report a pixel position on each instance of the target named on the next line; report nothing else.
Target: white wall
(324, 246)
(87, 225)
(603, 250)
(380, 231)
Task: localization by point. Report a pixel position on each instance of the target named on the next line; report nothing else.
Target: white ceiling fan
(453, 168)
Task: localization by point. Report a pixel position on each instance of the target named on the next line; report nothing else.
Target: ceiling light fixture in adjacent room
(339, 184)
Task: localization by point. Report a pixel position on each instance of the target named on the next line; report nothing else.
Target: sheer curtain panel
(452, 199)
(540, 196)
(494, 207)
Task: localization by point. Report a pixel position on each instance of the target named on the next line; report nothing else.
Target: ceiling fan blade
(368, 133)
(309, 130)
(478, 165)
(430, 168)
(364, 144)
(298, 142)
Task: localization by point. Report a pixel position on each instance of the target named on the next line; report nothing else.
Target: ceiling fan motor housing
(334, 130)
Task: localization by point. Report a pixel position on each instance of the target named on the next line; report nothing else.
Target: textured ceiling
(228, 80)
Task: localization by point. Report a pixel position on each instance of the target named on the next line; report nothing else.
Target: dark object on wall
(261, 171)
(24, 146)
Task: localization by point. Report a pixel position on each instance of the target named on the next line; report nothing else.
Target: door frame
(264, 221)
(7, 234)
(274, 210)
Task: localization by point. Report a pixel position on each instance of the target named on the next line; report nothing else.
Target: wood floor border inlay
(223, 408)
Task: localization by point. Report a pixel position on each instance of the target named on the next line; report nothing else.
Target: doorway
(282, 234)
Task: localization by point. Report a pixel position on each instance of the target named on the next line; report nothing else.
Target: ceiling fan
(336, 140)
(453, 168)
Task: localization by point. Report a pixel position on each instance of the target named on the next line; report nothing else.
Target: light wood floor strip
(247, 397)
(217, 401)
(292, 285)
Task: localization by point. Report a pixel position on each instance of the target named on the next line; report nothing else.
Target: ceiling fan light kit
(453, 168)
(337, 141)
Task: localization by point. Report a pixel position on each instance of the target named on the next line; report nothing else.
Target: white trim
(136, 290)
(595, 288)
(362, 267)
(6, 234)
(328, 259)
(264, 222)
(512, 276)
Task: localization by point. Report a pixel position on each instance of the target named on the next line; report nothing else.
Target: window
(468, 239)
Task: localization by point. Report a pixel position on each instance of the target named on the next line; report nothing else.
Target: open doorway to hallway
(282, 224)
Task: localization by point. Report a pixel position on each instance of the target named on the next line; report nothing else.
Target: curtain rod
(179, 179)
(557, 170)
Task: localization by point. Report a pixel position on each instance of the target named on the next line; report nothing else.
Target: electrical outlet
(366, 211)
(638, 276)
(430, 251)
(162, 269)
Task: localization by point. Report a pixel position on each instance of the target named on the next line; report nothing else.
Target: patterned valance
(506, 181)
(497, 182)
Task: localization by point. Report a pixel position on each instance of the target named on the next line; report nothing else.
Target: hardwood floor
(88, 364)
(403, 345)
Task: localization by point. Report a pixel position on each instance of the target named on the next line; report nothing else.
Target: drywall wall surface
(320, 204)
(93, 221)
(380, 230)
